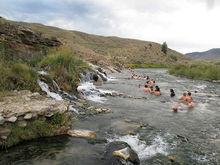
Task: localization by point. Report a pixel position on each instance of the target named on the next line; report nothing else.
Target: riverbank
(197, 70)
(147, 124)
(26, 116)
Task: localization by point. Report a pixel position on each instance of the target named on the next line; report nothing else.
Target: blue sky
(186, 25)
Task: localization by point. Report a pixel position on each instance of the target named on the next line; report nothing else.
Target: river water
(146, 122)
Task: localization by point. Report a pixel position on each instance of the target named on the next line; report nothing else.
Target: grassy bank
(17, 74)
(133, 66)
(197, 70)
(64, 67)
(42, 127)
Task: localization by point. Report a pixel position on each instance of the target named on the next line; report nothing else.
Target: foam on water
(143, 150)
(90, 92)
(203, 86)
(45, 88)
(200, 158)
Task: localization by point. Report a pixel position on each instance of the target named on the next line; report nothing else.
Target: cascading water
(45, 88)
(158, 134)
(144, 151)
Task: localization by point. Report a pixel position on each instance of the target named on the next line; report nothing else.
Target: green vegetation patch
(64, 67)
(37, 128)
(201, 71)
(133, 66)
(17, 76)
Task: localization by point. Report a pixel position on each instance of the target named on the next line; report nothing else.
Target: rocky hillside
(30, 40)
(212, 54)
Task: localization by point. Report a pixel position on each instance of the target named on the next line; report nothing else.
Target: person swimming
(183, 97)
(189, 100)
(172, 93)
(147, 89)
(157, 91)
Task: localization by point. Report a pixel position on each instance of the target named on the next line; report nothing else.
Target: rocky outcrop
(25, 115)
(21, 34)
(23, 42)
(120, 153)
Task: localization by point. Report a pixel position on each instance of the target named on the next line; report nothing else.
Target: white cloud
(186, 25)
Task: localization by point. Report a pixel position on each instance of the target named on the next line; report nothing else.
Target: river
(146, 122)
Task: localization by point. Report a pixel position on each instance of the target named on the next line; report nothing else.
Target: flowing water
(144, 121)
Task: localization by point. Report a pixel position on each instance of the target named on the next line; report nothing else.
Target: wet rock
(120, 153)
(28, 116)
(12, 119)
(172, 158)
(82, 133)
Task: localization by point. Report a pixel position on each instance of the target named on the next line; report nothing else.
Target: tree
(164, 47)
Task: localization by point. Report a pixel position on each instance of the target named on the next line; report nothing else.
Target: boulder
(82, 133)
(120, 153)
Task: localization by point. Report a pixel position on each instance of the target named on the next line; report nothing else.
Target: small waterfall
(56, 92)
(45, 88)
(90, 92)
(143, 150)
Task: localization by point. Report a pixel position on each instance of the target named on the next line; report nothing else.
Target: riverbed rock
(82, 133)
(12, 119)
(16, 105)
(120, 153)
(28, 116)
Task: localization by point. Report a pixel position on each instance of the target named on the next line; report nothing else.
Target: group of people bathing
(186, 99)
(151, 88)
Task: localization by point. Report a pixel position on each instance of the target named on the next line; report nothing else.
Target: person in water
(157, 91)
(189, 100)
(183, 97)
(147, 89)
(172, 93)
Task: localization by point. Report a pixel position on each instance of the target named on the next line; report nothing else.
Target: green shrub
(17, 76)
(147, 65)
(64, 67)
(203, 71)
(173, 57)
(164, 47)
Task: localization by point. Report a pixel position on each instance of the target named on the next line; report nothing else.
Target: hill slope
(211, 54)
(93, 48)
